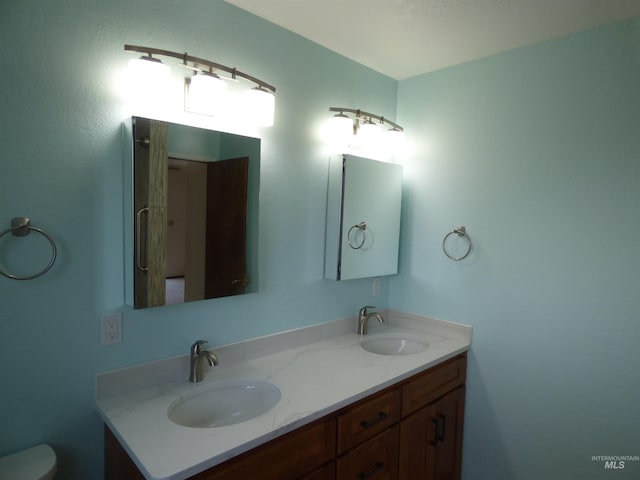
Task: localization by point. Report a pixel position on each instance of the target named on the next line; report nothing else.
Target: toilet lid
(37, 463)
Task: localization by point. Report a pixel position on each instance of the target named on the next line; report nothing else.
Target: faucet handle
(195, 370)
(363, 310)
(195, 348)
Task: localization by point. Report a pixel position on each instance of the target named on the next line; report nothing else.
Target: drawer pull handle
(370, 423)
(441, 423)
(438, 430)
(378, 467)
(435, 422)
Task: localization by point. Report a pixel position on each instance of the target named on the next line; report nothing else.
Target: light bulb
(369, 135)
(148, 70)
(394, 139)
(340, 130)
(207, 94)
(148, 78)
(259, 106)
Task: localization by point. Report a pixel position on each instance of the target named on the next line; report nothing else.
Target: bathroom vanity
(360, 416)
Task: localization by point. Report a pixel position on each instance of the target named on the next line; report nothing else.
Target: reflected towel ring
(461, 232)
(21, 227)
(362, 227)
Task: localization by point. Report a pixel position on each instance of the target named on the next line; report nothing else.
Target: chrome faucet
(195, 373)
(363, 318)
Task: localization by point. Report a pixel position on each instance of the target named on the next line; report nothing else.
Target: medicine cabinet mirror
(191, 222)
(363, 218)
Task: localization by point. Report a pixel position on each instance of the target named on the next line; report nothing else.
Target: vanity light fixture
(350, 125)
(341, 128)
(369, 132)
(206, 93)
(206, 89)
(260, 106)
(394, 138)
(147, 65)
(148, 76)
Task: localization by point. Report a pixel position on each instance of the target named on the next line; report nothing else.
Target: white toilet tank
(37, 463)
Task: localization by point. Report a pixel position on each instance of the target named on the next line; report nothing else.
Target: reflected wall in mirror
(193, 214)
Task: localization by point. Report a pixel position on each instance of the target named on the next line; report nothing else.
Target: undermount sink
(394, 344)
(224, 403)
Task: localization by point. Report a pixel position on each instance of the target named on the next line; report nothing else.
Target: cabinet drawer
(286, 458)
(367, 418)
(376, 459)
(432, 384)
(327, 472)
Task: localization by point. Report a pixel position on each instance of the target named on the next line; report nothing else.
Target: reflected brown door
(150, 210)
(226, 244)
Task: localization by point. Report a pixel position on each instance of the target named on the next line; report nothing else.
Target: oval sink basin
(224, 403)
(394, 344)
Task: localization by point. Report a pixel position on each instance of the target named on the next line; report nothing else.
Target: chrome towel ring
(461, 232)
(360, 227)
(21, 227)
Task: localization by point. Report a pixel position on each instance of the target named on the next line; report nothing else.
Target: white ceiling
(404, 38)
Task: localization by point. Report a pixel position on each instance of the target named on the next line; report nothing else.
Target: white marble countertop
(315, 379)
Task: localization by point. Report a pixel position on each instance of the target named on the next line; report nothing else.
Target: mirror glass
(363, 218)
(193, 217)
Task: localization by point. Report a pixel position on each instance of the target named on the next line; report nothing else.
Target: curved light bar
(366, 117)
(199, 63)
(356, 128)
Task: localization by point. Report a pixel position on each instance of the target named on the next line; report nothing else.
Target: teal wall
(536, 151)
(61, 112)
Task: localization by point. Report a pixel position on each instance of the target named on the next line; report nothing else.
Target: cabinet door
(431, 440)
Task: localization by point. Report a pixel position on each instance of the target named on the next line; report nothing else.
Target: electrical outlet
(111, 328)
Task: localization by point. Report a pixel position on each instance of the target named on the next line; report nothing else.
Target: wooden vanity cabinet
(117, 464)
(289, 457)
(368, 438)
(431, 440)
(368, 417)
(326, 472)
(377, 458)
(432, 425)
(409, 431)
